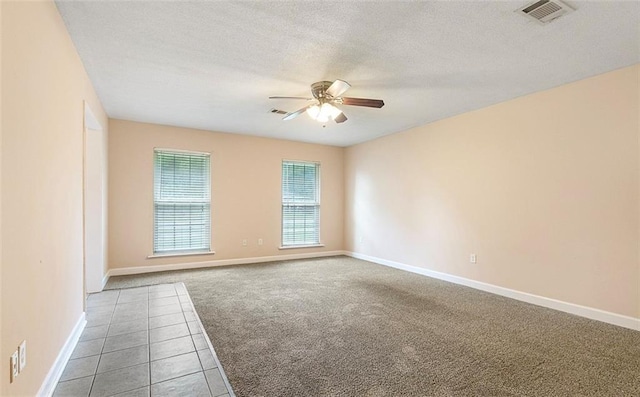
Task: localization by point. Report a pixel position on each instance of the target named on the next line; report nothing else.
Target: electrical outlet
(244, 242)
(14, 366)
(22, 354)
(259, 241)
(473, 258)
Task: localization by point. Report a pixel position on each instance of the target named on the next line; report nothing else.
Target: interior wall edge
(2, 379)
(571, 308)
(638, 190)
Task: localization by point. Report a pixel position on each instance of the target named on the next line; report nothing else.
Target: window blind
(182, 201)
(300, 203)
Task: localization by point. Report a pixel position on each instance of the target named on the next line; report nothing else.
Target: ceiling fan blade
(290, 97)
(370, 103)
(338, 88)
(341, 118)
(293, 115)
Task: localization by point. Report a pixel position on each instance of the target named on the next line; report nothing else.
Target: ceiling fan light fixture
(313, 111)
(326, 111)
(323, 112)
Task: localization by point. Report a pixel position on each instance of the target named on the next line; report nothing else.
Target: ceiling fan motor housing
(319, 90)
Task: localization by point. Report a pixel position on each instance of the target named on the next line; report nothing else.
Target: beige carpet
(341, 326)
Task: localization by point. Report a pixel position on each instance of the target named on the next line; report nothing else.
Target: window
(182, 202)
(300, 203)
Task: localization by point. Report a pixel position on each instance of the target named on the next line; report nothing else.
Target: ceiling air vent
(277, 111)
(545, 11)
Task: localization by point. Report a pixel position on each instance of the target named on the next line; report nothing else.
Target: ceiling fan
(326, 95)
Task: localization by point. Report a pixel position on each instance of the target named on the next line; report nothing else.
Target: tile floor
(145, 341)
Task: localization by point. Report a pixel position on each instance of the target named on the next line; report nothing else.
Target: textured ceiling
(213, 65)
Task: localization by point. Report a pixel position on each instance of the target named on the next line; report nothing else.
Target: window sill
(173, 254)
(289, 247)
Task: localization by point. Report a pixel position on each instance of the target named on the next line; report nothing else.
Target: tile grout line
(95, 374)
(178, 377)
(117, 369)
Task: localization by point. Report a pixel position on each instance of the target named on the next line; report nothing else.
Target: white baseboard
(222, 262)
(583, 311)
(105, 280)
(50, 382)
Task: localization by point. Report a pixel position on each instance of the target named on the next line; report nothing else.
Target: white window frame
(180, 252)
(317, 203)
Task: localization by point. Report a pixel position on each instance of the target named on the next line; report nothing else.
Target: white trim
(302, 161)
(50, 382)
(572, 308)
(160, 149)
(105, 280)
(90, 120)
(223, 262)
(290, 247)
(174, 254)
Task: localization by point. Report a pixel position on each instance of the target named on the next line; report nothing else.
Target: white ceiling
(213, 65)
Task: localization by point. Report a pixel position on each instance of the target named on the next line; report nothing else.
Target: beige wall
(246, 195)
(543, 188)
(43, 88)
(2, 368)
